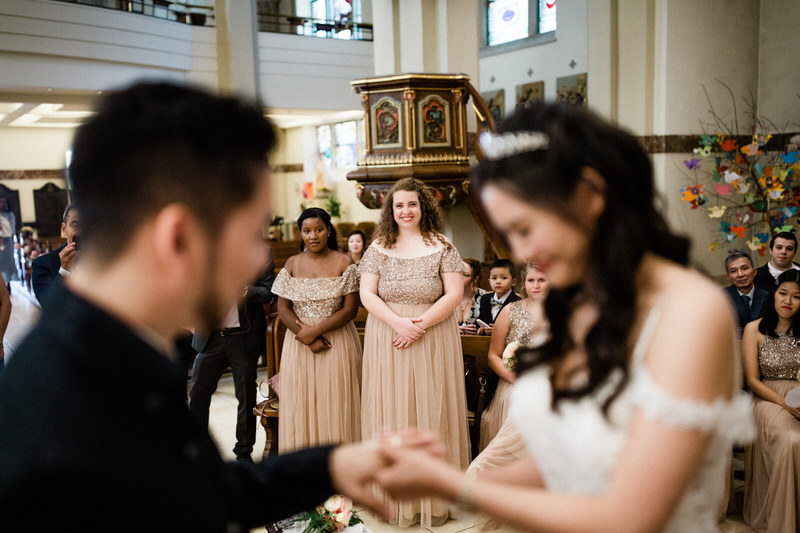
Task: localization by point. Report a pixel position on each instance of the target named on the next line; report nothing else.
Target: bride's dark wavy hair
(629, 226)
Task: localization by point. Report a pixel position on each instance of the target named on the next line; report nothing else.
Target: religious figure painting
(530, 93)
(572, 89)
(388, 126)
(497, 103)
(434, 121)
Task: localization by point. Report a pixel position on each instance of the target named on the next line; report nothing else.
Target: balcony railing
(330, 29)
(173, 10)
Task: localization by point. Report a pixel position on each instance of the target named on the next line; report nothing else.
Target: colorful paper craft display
(756, 191)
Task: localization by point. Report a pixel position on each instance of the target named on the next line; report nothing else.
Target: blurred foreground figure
(172, 185)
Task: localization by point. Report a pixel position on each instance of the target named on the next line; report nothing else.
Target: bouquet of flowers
(510, 355)
(332, 516)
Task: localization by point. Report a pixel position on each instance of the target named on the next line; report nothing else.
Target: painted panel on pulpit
(434, 122)
(388, 130)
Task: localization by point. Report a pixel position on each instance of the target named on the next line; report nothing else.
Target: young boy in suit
(502, 275)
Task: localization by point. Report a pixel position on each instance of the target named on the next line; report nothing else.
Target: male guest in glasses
(747, 299)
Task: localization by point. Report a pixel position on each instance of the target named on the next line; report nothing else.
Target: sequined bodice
(415, 280)
(316, 297)
(520, 326)
(779, 358)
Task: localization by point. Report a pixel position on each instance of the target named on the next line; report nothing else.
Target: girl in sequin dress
(317, 289)
(629, 410)
(518, 322)
(771, 352)
(413, 374)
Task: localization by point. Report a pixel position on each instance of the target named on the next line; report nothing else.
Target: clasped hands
(408, 331)
(403, 464)
(310, 336)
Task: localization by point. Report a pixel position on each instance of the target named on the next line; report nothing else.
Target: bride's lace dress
(577, 447)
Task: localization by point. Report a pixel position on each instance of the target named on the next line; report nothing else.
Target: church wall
(308, 73)
(66, 46)
(548, 61)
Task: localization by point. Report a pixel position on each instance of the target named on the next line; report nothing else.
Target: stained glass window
(547, 16)
(345, 135)
(514, 20)
(507, 21)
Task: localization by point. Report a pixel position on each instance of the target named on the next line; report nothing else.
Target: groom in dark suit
(173, 188)
(747, 299)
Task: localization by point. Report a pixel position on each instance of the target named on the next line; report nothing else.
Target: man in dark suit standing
(48, 269)
(238, 344)
(747, 299)
(173, 188)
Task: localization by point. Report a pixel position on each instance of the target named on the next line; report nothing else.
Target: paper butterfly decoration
(781, 229)
(754, 244)
(731, 176)
(776, 194)
(692, 163)
(791, 157)
(694, 195)
(713, 246)
(724, 190)
(738, 231)
(763, 237)
(789, 211)
(703, 151)
(706, 139)
(716, 211)
(728, 144)
(751, 149)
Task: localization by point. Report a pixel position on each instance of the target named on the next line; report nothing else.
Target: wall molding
(36, 174)
(292, 167)
(682, 144)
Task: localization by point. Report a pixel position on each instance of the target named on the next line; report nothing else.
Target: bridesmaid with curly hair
(413, 371)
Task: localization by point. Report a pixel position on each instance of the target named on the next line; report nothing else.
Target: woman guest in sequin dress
(356, 243)
(413, 372)
(629, 409)
(317, 291)
(772, 360)
(469, 308)
(518, 322)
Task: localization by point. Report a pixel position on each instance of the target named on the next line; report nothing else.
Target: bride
(630, 409)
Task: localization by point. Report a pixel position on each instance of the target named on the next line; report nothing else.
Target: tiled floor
(222, 423)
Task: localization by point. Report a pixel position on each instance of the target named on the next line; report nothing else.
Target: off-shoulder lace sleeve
(370, 261)
(282, 286)
(352, 279)
(451, 260)
(728, 418)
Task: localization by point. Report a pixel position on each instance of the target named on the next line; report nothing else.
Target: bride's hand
(414, 473)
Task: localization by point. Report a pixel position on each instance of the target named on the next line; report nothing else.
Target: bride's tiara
(499, 146)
